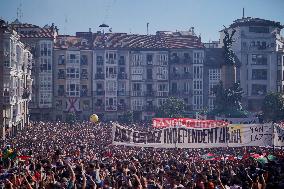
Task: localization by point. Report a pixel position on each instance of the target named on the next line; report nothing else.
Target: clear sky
(131, 16)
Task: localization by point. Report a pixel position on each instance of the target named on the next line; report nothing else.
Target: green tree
(173, 107)
(71, 118)
(228, 101)
(273, 107)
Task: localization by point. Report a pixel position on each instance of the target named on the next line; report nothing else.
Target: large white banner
(184, 137)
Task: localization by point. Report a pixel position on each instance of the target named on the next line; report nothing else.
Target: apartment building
(72, 78)
(16, 82)
(135, 72)
(41, 40)
(259, 47)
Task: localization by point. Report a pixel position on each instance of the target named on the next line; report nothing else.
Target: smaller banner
(187, 122)
(279, 135)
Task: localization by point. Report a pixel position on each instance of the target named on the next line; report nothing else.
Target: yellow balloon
(94, 118)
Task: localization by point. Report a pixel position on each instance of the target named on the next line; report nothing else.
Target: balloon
(94, 118)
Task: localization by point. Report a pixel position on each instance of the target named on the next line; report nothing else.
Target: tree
(228, 101)
(71, 118)
(273, 107)
(173, 107)
(127, 117)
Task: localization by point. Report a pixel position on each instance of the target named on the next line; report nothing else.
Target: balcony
(122, 107)
(84, 93)
(26, 94)
(150, 94)
(122, 76)
(122, 93)
(60, 92)
(150, 108)
(99, 107)
(110, 108)
(137, 93)
(110, 61)
(162, 94)
(121, 62)
(100, 93)
(99, 76)
(84, 76)
(175, 60)
(111, 76)
(180, 93)
(181, 76)
(61, 76)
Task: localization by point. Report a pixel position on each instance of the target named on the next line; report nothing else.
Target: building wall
(16, 83)
(257, 53)
(72, 83)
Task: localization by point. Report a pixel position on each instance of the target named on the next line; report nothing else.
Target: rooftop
(248, 21)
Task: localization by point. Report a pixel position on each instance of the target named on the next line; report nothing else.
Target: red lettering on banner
(187, 122)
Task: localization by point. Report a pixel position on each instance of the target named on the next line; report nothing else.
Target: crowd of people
(81, 155)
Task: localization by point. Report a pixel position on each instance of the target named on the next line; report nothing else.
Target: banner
(278, 135)
(190, 137)
(187, 122)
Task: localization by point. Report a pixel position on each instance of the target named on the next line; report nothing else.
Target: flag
(208, 156)
(271, 157)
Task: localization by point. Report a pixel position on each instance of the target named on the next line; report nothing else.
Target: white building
(259, 47)
(16, 82)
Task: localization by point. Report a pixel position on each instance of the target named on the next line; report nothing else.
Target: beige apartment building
(72, 78)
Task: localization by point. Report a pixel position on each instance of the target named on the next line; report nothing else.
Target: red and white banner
(187, 122)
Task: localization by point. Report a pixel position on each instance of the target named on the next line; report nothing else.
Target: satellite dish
(103, 26)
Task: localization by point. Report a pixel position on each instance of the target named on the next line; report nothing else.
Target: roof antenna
(243, 13)
(147, 28)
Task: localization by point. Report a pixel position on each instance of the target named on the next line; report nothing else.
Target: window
(163, 87)
(258, 89)
(100, 60)
(259, 59)
(84, 60)
(137, 87)
(197, 85)
(136, 104)
(73, 89)
(197, 102)
(84, 74)
(61, 90)
(84, 90)
(74, 58)
(121, 60)
(61, 74)
(259, 74)
(73, 73)
(197, 72)
(61, 60)
(149, 74)
(258, 29)
(149, 58)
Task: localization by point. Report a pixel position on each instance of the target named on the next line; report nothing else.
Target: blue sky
(206, 16)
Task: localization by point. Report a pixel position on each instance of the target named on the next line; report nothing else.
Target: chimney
(90, 30)
(243, 13)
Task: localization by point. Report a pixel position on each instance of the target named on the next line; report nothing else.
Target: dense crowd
(60, 155)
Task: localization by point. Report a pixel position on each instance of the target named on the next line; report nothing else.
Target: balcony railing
(150, 108)
(121, 62)
(122, 76)
(99, 107)
(111, 108)
(99, 76)
(123, 93)
(181, 76)
(122, 107)
(137, 93)
(111, 76)
(100, 93)
(150, 94)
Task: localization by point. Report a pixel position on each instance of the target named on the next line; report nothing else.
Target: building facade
(258, 46)
(41, 40)
(16, 82)
(72, 78)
